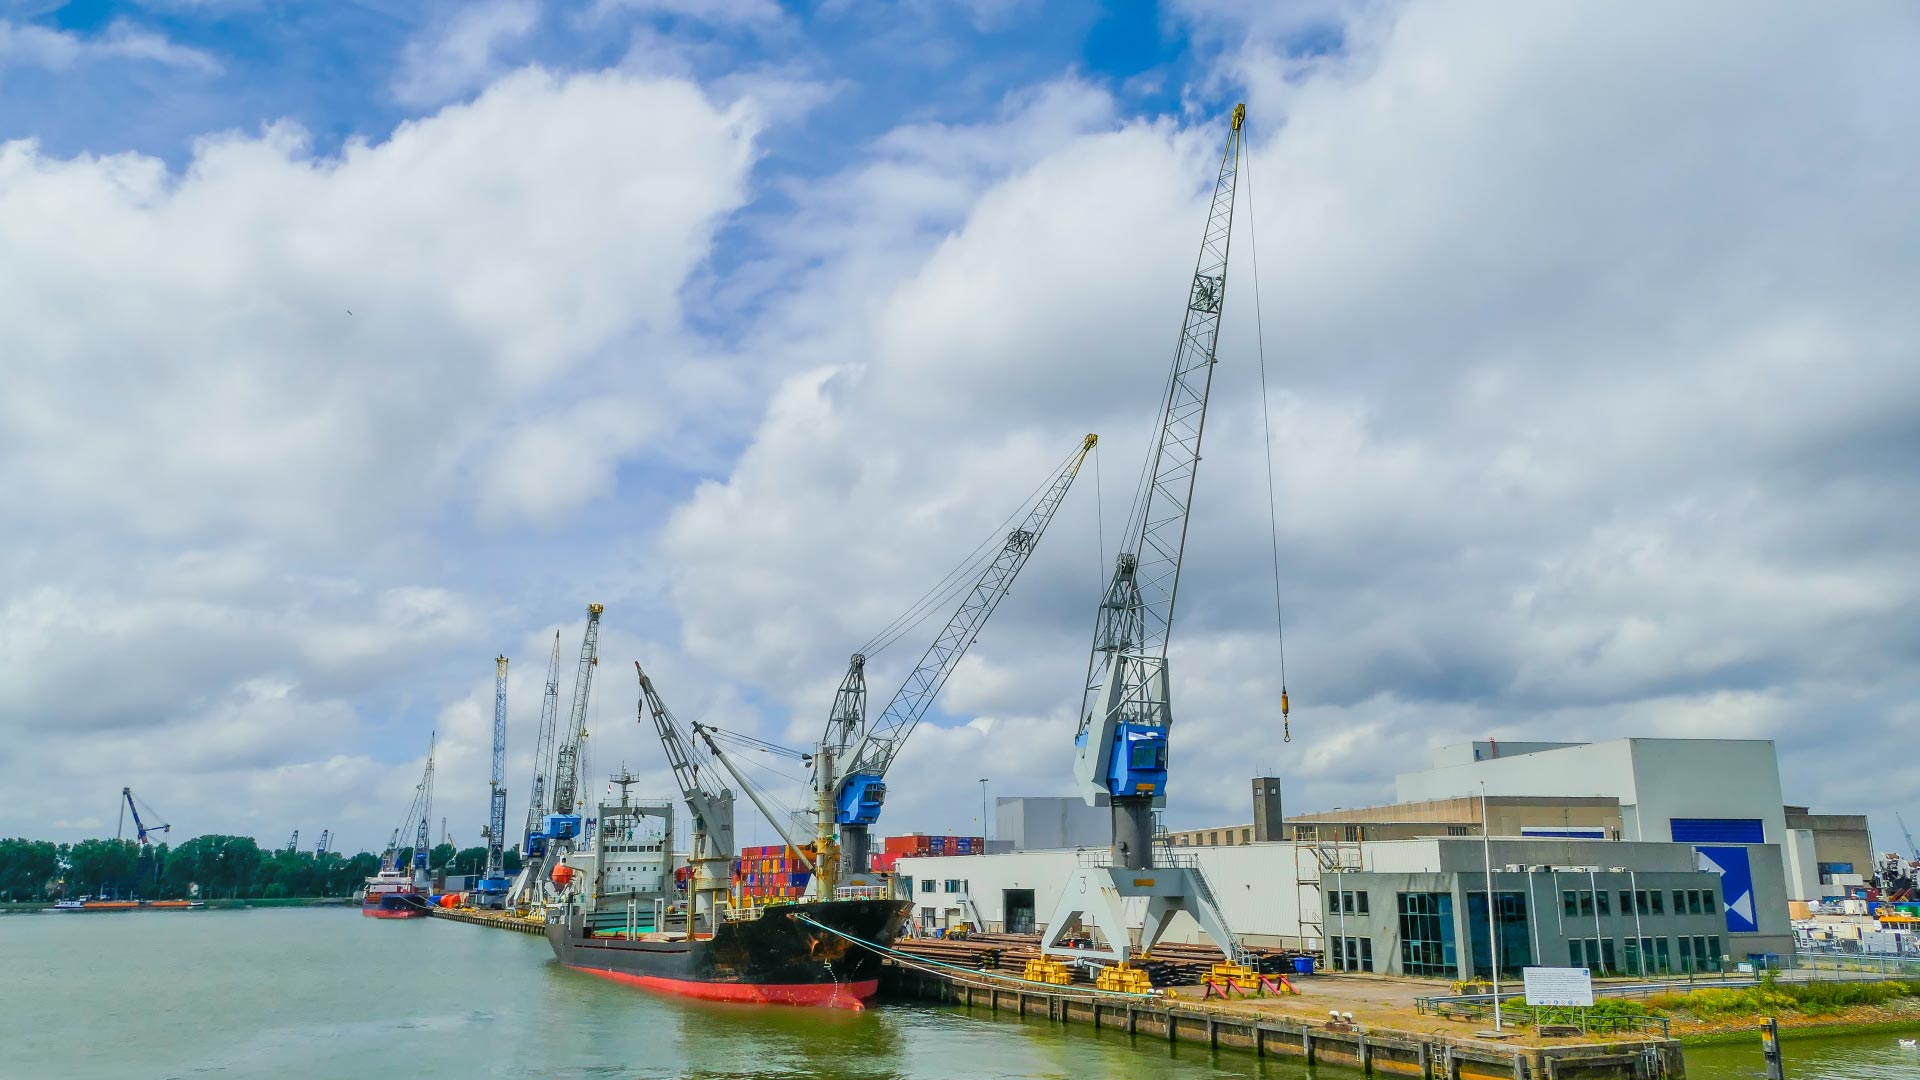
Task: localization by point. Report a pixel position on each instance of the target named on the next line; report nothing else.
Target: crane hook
(1286, 728)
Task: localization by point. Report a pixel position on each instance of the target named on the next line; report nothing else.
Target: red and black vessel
(775, 955)
(393, 894)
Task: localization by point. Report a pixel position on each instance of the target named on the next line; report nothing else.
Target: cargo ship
(393, 894)
(772, 954)
(624, 917)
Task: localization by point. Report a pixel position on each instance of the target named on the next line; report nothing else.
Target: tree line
(205, 867)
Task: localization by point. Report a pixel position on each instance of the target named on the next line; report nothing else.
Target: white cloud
(300, 344)
(460, 53)
(724, 13)
(248, 400)
(1591, 383)
(60, 50)
(1588, 395)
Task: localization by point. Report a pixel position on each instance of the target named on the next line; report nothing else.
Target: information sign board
(1558, 986)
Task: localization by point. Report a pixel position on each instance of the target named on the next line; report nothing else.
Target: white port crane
(710, 851)
(1120, 749)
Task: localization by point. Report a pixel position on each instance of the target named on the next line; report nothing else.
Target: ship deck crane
(493, 880)
(710, 852)
(533, 847)
(851, 761)
(1126, 713)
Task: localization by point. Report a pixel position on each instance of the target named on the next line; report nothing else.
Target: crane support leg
(1091, 911)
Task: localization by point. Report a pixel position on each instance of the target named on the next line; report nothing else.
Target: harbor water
(323, 992)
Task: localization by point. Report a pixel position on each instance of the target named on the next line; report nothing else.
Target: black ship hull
(774, 959)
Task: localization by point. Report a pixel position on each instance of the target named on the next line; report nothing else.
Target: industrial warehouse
(1650, 856)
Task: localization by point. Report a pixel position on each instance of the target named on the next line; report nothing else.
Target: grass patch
(1771, 998)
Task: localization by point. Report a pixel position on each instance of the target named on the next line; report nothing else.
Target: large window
(1426, 934)
(1594, 954)
(1516, 944)
(1701, 952)
(1351, 954)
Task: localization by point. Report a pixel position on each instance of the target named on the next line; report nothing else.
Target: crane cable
(1100, 518)
(1266, 429)
(963, 574)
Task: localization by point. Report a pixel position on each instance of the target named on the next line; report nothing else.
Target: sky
(346, 345)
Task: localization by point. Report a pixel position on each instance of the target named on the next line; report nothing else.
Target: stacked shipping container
(893, 847)
(770, 873)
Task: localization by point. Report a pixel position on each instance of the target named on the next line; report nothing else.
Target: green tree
(98, 867)
(471, 860)
(512, 860)
(439, 857)
(26, 867)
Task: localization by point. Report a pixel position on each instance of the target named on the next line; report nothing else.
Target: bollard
(1770, 1049)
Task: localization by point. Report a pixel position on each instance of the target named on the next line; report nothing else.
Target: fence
(1479, 1009)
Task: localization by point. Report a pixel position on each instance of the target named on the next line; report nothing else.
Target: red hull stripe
(831, 995)
(391, 913)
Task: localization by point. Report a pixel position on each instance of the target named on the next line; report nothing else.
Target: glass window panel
(1426, 933)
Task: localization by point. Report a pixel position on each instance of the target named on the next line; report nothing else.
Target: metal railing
(1517, 1015)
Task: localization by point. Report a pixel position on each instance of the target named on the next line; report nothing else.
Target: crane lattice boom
(566, 769)
(497, 788)
(709, 804)
(131, 804)
(1125, 712)
(851, 763)
(534, 843)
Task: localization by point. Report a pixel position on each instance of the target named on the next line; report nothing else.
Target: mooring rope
(923, 964)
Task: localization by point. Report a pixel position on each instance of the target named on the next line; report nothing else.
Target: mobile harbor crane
(131, 805)
(851, 760)
(418, 822)
(145, 867)
(493, 881)
(710, 850)
(534, 846)
(1125, 713)
(559, 828)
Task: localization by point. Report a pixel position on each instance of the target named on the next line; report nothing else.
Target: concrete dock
(1368, 1048)
(498, 920)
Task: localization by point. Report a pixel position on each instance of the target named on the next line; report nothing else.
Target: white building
(1409, 906)
(1714, 795)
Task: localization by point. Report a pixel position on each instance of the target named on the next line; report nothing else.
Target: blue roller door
(1717, 831)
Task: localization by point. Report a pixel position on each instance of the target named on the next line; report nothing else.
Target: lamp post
(984, 829)
(1493, 927)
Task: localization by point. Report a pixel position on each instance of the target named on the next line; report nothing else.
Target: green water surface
(324, 992)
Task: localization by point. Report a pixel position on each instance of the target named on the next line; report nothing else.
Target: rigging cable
(962, 576)
(1099, 518)
(1266, 430)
